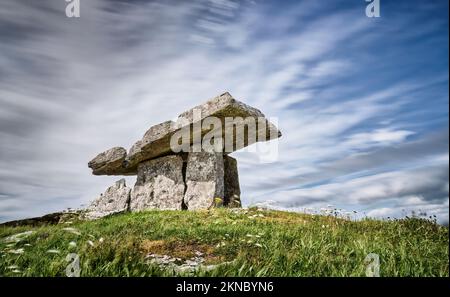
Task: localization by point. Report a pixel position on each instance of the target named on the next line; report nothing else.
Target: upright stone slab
(204, 180)
(231, 181)
(115, 199)
(159, 184)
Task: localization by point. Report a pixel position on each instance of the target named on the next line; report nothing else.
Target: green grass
(258, 243)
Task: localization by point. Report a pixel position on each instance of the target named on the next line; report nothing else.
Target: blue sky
(362, 102)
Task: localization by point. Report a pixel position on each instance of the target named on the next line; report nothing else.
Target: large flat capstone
(235, 120)
(110, 162)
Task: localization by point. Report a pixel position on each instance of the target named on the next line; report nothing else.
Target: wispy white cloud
(382, 137)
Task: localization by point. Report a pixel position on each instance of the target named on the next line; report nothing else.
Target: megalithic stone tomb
(184, 164)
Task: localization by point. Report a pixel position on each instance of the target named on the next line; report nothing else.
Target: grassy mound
(231, 243)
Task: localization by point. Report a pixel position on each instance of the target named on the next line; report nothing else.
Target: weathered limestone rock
(159, 184)
(204, 180)
(114, 200)
(222, 106)
(232, 191)
(194, 177)
(156, 141)
(110, 163)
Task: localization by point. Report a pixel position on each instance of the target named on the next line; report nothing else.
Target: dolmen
(183, 164)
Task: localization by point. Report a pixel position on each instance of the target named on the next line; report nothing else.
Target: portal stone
(204, 180)
(159, 184)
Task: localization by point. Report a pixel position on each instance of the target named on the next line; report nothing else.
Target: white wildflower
(220, 244)
(13, 267)
(17, 252)
(18, 237)
(72, 230)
